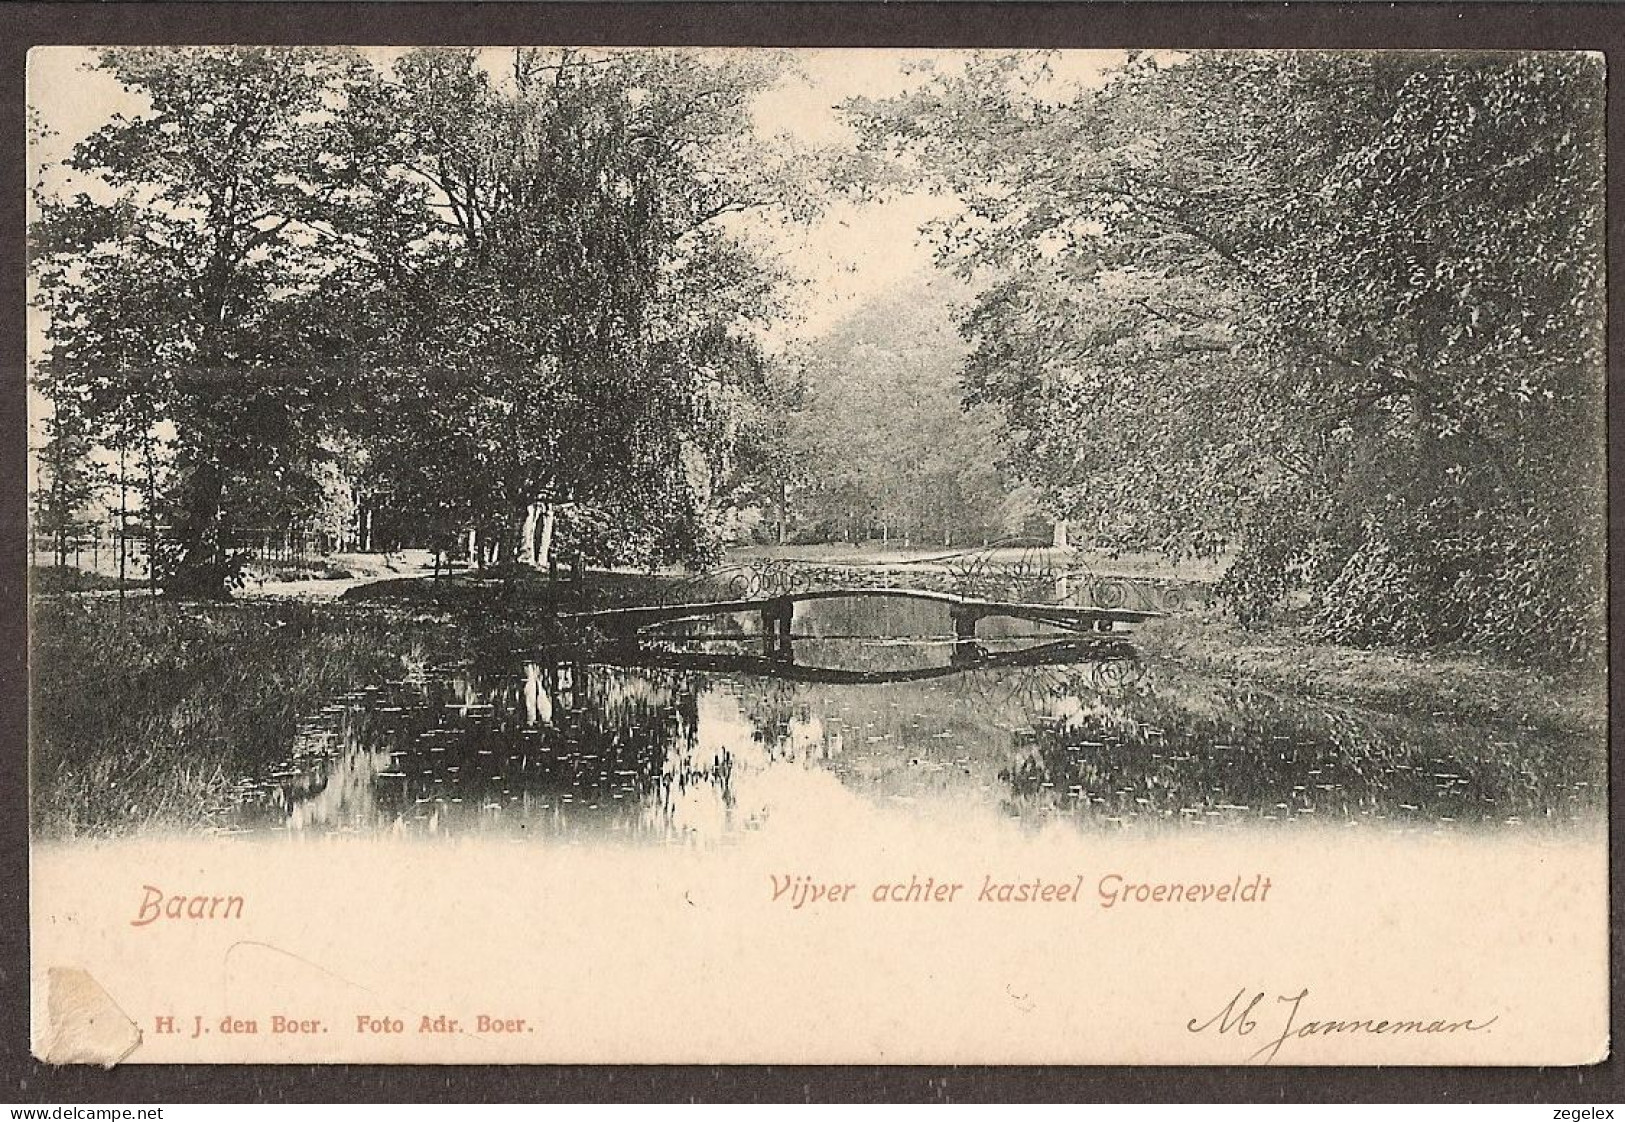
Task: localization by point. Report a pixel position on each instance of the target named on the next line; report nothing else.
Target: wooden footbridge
(777, 611)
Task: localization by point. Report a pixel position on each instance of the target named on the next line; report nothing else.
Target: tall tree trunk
(199, 567)
(124, 513)
(527, 534)
(149, 458)
(544, 540)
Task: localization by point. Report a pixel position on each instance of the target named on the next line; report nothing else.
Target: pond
(701, 731)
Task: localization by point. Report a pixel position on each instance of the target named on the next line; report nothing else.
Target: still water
(700, 732)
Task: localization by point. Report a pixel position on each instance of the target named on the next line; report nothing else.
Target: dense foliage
(176, 285)
(566, 343)
(487, 298)
(886, 446)
(1335, 316)
(1337, 312)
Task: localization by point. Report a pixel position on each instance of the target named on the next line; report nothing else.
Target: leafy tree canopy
(497, 289)
(1338, 312)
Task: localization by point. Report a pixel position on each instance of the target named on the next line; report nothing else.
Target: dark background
(1510, 26)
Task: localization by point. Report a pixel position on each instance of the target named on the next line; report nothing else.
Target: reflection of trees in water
(912, 739)
(1034, 688)
(1173, 752)
(555, 748)
(559, 747)
(773, 708)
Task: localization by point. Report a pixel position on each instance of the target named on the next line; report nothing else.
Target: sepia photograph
(652, 554)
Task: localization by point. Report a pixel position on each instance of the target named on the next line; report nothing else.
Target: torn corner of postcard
(83, 1024)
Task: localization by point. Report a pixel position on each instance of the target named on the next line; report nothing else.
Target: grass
(1444, 683)
(46, 580)
(146, 713)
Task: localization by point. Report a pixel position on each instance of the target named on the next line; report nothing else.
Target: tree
(567, 341)
(890, 442)
(506, 295)
(1319, 308)
(68, 480)
(773, 460)
(180, 277)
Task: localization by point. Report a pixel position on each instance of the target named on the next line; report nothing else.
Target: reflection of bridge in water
(777, 612)
(967, 655)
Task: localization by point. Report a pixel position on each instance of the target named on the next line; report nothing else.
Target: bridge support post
(964, 623)
(776, 617)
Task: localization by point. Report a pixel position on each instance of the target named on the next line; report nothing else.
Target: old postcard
(817, 556)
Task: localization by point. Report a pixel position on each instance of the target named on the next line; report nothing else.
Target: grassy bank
(48, 580)
(145, 713)
(1449, 684)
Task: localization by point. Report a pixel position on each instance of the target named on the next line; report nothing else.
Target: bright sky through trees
(857, 250)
